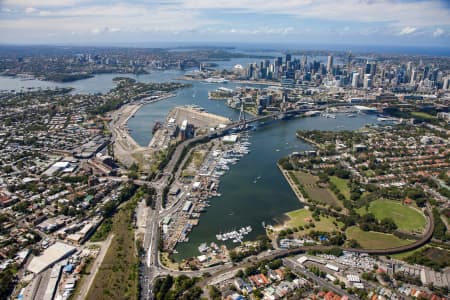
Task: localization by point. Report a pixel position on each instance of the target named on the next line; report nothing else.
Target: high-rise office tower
(373, 69)
(330, 64)
(367, 81)
(279, 61)
(413, 76)
(288, 58)
(446, 84)
(355, 79)
(367, 69)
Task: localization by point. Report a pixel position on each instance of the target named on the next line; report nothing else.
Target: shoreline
(124, 144)
(129, 110)
(267, 83)
(297, 193)
(309, 141)
(293, 186)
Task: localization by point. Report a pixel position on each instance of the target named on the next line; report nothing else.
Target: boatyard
(191, 192)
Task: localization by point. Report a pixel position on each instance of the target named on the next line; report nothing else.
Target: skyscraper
(330, 64)
(355, 80)
(288, 58)
(446, 84)
(367, 81)
(413, 76)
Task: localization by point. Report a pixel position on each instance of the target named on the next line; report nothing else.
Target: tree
(258, 294)
(214, 293)
(7, 280)
(252, 270)
(388, 224)
(109, 208)
(240, 273)
(353, 244)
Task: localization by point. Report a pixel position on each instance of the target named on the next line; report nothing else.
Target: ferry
(327, 115)
(216, 80)
(384, 119)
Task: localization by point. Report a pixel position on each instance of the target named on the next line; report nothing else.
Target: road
(319, 281)
(149, 270)
(87, 282)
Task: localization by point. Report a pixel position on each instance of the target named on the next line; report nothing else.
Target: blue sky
(351, 22)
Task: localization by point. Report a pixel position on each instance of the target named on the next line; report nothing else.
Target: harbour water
(252, 191)
(100, 83)
(247, 200)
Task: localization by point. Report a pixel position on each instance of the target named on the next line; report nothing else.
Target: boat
(216, 80)
(157, 126)
(203, 248)
(384, 119)
(236, 236)
(327, 115)
(351, 115)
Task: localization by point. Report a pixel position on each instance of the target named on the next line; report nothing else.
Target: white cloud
(423, 13)
(30, 10)
(96, 30)
(111, 18)
(407, 30)
(40, 3)
(438, 32)
(379, 18)
(45, 13)
(106, 29)
(265, 30)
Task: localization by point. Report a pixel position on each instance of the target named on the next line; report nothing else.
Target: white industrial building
(50, 256)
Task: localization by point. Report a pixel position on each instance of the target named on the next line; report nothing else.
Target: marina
(198, 186)
(236, 235)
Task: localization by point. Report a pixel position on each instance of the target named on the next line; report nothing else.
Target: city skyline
(352, 22)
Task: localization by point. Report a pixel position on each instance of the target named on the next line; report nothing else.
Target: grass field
(317, 194)
(374, 240)
(118, 277)
(423, 115)
(299, 218)
(406, 218)
(404, 255)
(305, 178)
(342, 185)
